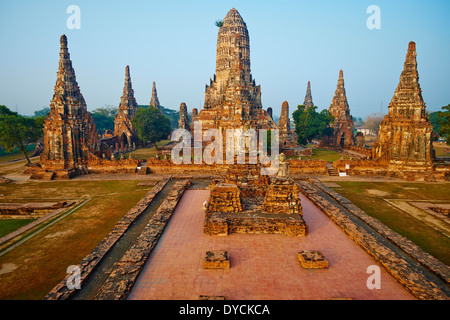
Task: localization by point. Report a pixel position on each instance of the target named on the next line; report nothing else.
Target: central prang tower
(232, 99)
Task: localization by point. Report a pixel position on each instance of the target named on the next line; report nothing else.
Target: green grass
(146, 153)
(41, 261)
(16, 154)
(10, 225)
(441, 149)
(427, 238)
(325, 154)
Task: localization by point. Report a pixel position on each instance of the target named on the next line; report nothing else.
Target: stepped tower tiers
(232, 99)
(183, 122)
(308, 97)
(123, 128)
(405, 132)
(70, 135)
(154, 100)
(342, 125)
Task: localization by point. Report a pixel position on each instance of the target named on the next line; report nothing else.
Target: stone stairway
(332, 171)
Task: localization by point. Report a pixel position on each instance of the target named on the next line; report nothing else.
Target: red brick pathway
(263, 266)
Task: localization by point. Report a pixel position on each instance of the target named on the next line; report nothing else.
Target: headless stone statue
(283, 166)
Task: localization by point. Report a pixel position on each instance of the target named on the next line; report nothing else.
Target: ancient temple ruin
(308, 102)
(245, 201)
(405, 132)
(232, 99)
(286, 136)
(72, 145)
(183, 122)
(123, 128)
(154, 100)
(70, 135)
(342, 125)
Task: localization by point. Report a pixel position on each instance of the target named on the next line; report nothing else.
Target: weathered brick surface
(224, 197)
(220, 224)
(407, 272)
(282, 197)
(127, 269)
(61, 291)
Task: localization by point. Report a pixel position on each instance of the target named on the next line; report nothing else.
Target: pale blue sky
(174, 44)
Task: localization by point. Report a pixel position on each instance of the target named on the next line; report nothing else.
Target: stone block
(312, 259)
(216, 260)
(203, 297)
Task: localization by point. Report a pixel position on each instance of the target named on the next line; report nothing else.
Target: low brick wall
(216, 226)
(126, 270)
(361, 150)
(316, 167)
(61, 291)
(98, 165)
(383, 168)
(167, 167)
(362, 167)
(406, 273)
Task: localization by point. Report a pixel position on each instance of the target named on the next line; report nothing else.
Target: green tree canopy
(17, 131)
(310, 124)
(107, 110)
(104, 118)
(151, 125)
(42, 113)
(444, 122)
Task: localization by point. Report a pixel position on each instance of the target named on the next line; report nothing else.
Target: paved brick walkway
(263, 266)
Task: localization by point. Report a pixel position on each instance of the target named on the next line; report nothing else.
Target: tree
(104, 118)
(151, 125)
(107, 110)
(373, 122)
(219, 23)
(102, 122)
(42, 113)
(17, 131)
(444, 122)
(309, 124)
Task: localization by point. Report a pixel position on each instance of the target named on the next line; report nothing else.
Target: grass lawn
(441, 149)
(325, 154)
(15, 155)
(10, 225)
(146, 153)
(369, 197)
(32, 269)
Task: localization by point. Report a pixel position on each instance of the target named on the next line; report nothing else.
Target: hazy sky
(174, 44)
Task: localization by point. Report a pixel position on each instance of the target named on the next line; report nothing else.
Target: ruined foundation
(254, 204)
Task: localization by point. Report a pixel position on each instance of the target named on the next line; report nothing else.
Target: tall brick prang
(183, 122)
(405, 132)
(154, 100)
(70, 135)
(343, 127)
(308, 102)
(123, 127)
(232, 99)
